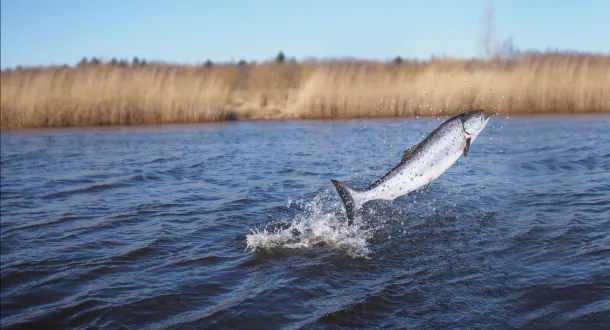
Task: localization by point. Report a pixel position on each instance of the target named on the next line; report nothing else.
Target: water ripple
(234, 225)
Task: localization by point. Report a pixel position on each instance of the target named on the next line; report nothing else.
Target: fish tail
(352, 199)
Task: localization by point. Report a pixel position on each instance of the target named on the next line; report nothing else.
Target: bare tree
(489, 31)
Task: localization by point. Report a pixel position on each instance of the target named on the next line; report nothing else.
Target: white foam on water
(317, 226)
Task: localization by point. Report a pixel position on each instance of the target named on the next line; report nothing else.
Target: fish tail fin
(352, 199)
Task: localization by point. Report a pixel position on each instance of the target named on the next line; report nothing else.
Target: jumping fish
(420, 164)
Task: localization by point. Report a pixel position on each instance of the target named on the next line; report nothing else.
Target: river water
(237, 225)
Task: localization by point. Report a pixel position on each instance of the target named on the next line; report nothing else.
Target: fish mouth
(486, 118)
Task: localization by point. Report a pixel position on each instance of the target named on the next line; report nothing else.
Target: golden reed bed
(106, 94)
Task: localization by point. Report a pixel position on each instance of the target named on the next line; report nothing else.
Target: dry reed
(105, 94)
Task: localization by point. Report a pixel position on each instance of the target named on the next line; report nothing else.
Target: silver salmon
(420, 164)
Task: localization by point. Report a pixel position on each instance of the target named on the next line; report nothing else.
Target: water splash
(318, 224)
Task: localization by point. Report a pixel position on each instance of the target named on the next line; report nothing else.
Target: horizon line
(310, 59)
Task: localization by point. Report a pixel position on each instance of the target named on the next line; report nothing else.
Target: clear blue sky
(42, 32)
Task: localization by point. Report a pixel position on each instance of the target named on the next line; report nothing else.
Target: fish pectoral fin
(408, 153)
(427, 186)
(467, 147)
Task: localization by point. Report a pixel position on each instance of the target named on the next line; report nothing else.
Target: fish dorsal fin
(405, 156)
(467, 147)
(408, 153)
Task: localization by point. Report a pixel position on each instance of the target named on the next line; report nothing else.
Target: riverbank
(110, 94)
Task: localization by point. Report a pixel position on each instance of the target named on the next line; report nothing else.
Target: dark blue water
(237, 226)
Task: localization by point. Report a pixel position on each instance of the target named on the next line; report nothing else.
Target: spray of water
(319, 224)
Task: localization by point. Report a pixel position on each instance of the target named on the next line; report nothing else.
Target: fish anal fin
(427, 186)
(467, 147)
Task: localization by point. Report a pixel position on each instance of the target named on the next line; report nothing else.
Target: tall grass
(105, 94)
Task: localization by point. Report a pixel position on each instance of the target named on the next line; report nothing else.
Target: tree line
(139, 62)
